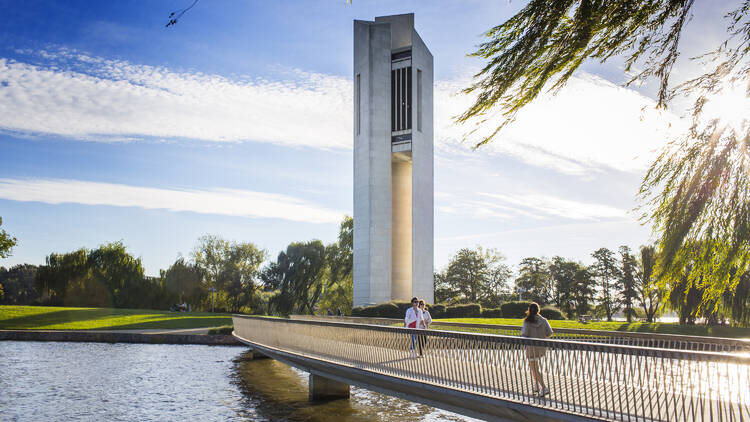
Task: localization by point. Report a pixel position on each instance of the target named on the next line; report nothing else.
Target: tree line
(221, 274)
(311, 277)
(625, 280)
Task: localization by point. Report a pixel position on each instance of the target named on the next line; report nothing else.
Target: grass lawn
(59, 318)
(641, 327)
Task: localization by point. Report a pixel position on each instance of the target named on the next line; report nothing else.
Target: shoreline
(118, 337)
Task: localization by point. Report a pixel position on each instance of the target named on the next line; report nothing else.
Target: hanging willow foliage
(697, 193)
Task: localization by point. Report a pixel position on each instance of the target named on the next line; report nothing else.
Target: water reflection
(279, 392)
(146, 382)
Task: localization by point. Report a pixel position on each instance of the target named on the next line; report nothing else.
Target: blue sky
(237, 122)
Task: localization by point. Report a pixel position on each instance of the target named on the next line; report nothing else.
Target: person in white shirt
(414, 319)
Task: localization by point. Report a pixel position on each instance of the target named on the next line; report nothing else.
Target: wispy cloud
(547, 205)
(532, 206)
(231, 202)
(589, 125)
(91, 98)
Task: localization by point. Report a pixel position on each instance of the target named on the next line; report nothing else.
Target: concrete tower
(393, 162)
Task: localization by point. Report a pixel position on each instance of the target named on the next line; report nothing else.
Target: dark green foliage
(607, 273)
(183, 279)
(584, 290)
(297, 274)
(473, 276)
(381, 310)
(231, 268)
(534, 281)
(492, 313)
(551, 312)
(19, 285)
(514, 309)
(470, 310)
(649, 292)
(563, 274)
(104, 277)
(437, 311)
(628, 274)
(338, 290)
(6, 242)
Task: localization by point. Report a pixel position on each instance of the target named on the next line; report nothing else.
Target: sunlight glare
(732, 106)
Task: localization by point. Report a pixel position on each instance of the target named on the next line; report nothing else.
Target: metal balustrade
(625, 338)
(602, 381)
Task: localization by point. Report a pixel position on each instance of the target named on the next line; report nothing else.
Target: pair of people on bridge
(417, 317)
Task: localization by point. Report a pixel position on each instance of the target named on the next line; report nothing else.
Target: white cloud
(114, 100)
(533, 206)
(547, 205)
(589, 125)
(231, 202)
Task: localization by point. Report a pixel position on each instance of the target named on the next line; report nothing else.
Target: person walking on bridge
(414, 319)
(536, 326)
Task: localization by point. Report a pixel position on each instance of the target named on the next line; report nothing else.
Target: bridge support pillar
(327, 389)
(252, 354)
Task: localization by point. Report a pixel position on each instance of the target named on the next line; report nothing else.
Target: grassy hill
(60, 318)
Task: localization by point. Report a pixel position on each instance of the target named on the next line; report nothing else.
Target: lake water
(145, 382)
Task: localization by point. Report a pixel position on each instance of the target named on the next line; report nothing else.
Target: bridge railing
(613, 382)
(625, 338)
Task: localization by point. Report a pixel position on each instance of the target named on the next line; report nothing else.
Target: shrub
(225, 330)
(492, 313)
(516, 309)
(437, 311)
(471, 310)
(381, 310)
(550, 312)
(389, 310)
(402, 306)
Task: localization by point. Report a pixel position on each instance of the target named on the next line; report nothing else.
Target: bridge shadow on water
(277, 392)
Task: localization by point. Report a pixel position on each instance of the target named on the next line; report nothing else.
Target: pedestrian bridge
(592, 375)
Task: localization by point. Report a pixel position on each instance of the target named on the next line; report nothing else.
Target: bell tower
(393, 162)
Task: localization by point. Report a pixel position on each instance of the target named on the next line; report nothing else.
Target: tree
(117, 274)
(183, 279)
(7, 242)
(18, 283)
(563, 274)
(338, 289)
(606, 273)
(230, 267)
(533, 280)
(239, 274)
(698, 190)
(297, 276)
(585, 285)
(649, 292)
(473, 276)
(61, 273)
(628, 288)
